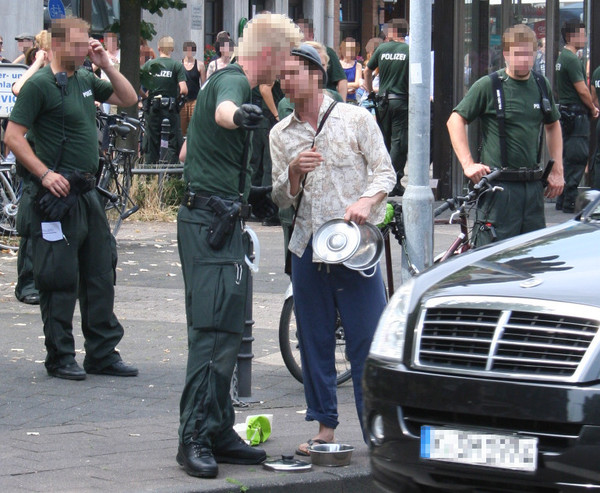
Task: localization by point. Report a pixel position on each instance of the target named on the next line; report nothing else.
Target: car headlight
(388, 342)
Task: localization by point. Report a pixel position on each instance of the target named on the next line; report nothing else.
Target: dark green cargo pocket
(219, 295)
(54, 265)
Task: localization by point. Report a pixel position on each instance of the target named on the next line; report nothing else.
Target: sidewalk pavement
(120, 434)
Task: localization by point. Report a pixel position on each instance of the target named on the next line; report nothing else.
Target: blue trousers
(320, 291)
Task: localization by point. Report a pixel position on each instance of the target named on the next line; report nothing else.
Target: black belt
(574, 108)
(196, 201)
(521, 174)
(397, 96)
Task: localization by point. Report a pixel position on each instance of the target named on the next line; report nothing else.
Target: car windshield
(593, 215)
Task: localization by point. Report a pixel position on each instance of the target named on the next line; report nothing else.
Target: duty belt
(573, 108)
(521, 174)
(157, 102)
(197, 201)
(397, 96)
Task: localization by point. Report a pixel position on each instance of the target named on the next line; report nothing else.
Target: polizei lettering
(393, 56)
(165, 73)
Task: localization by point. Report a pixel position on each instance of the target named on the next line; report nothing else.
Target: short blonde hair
(60, 27)
(268, 30)
(166, 45)
(43, 40)
(518, 34)
(321, 50)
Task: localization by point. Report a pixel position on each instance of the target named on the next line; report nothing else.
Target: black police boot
(235, 451)
(197, 460)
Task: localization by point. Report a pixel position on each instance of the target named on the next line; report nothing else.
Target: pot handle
(364, 274)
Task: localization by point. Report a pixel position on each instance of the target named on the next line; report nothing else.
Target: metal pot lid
(287, 463)
(336, 241)
(370, 249)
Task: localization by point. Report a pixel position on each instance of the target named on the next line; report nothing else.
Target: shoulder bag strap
(500, 115)
(545, 106)
(319, 128)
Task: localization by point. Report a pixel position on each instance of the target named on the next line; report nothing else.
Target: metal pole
(417, 203)
(245, 355)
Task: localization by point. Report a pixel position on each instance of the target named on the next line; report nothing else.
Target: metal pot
(358, 247)
(331, 454)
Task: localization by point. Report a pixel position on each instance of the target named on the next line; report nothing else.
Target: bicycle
(114, 181)
(11, 189)
(460, 205)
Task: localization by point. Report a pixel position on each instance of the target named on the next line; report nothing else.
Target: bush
(157, 203)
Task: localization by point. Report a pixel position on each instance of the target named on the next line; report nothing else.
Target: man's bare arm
(457, 128)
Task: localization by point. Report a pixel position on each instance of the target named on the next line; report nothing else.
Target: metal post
(417, 203)
(245, 355)
(165, 131)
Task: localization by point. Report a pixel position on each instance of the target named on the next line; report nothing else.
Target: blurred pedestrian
(391, 58)
(349, 49)
(165, 80)
(25, 41)
(329, 161)
(224, 47)
(576, 106)
(195, 75)
(213, 245)
(2, 59)
(336, 77)
(74, 252)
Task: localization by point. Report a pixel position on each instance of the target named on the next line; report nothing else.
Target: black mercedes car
(484, 373)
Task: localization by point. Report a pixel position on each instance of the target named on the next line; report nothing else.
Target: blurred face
(226, 48)
(271, 64)
(1, 44)
(72, 51)
(350, 49)
(578, 39)
(297, 81)
(519, 59)
(24, 44)
(110, 40)
(189, 51)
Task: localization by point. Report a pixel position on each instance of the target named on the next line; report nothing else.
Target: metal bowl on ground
(331, 454)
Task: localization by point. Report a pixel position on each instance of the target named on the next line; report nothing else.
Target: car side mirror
(586, 198)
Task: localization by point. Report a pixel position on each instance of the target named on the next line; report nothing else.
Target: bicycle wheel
(116, 179)
(10, 194)
(290, 347)
(109, 181)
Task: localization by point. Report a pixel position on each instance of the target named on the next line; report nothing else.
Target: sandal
(310, 443)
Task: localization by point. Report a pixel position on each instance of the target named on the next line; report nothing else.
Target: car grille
(508, 337)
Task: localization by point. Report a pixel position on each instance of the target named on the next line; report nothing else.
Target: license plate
(479, 449)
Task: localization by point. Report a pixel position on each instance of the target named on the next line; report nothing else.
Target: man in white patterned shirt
(343, 172)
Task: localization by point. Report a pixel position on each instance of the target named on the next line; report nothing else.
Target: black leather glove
(54, 208)
(372, 96)
(248, 116)
(260, 200)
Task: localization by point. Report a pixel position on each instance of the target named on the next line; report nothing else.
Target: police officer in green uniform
(74, 253)
(595, 165)
(213, 245)
(165, 80)
(519, 207)
(392, 112)
(575, 106)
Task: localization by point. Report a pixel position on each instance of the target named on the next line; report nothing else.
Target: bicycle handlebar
(109, 195)
(478, 189)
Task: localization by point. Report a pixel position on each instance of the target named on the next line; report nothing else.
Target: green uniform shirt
(569, 70)
(214, 153)
(39, 108)
(166, 74)
(335, 72)
(596, 81)
(392, 60)
(523, 117)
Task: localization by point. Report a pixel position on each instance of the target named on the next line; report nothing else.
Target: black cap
(311, 55)
(24, 36)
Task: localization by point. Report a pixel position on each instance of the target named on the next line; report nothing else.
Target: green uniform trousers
(575, 158)
(517, 209)
(151, 143)
(393, 121)
(216, 282)
(79, 266)
(25, 282)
